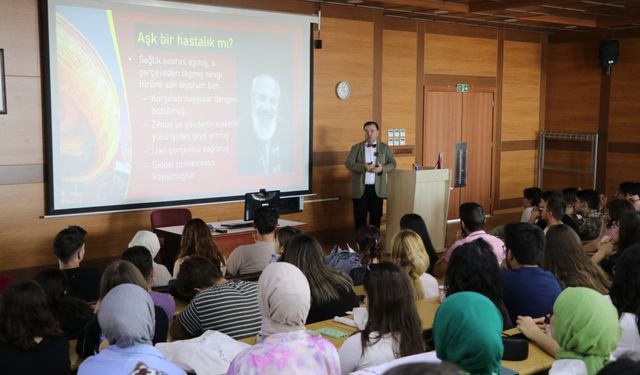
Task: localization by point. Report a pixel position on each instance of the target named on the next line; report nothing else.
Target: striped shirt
(231, 308)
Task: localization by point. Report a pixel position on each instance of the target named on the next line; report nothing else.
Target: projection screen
(154, 103)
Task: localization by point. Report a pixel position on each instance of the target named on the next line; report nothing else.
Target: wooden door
(477, 132)
(450, 118)
(443, 128)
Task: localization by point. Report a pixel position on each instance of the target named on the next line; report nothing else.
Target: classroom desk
(537, 361)
(226, 242)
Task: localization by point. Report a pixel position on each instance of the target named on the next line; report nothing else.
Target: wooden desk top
(537, 361)
(177, 229)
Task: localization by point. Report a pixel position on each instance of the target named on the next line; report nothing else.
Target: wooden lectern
(424, 192)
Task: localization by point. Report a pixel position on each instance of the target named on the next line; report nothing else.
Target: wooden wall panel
(347, 54)
(22, 135)
(621, 167)
(521, 91)
(624, 125)
(560, 163)
(460, 55)
(399, 82)
(573, 87)
(517, 172)
(19, 37)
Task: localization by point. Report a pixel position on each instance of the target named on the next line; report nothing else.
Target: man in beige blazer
(369, 163)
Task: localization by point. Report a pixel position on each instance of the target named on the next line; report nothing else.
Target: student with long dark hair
(393, 327)
(417, 224)
(474, 268)
(564, 258)
(31, 341)
(608, 253)
(332, 292)
(369, 249)
(625, 295)
(72, 313)
(196, 240)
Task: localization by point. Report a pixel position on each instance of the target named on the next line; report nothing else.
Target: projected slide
(175, 103)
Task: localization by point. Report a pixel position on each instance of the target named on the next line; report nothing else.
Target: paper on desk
(345, 321)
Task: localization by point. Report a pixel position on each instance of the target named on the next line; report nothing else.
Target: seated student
(611, 226)
(68, 246)
(246, 259)
(197, 240)
(633, 196)
(417, 224)
(591, 216)
(474, 268)
(467, 331)
(140, 257)
(393, 328)
(625, 297)
(285, 346)
(471, 223)
(283, 235)
(551, 212)
(5, 281)
(116, 273)
(408, 252)
(126, 317)
(332, 292)
(31, 341)
(369, 249)
(608, 253)
(528, 289)
(72, 313)
(564, 258)
(570, 198)
(531, 199)
(149, 240)
(558, 205)
(228, 306)
(585, 331)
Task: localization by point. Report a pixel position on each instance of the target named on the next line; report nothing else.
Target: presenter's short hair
(371, 123)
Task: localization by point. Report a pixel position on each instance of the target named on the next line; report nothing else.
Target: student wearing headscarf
(585, 331)
(149, 240)
(467, 332)
(126, 317)
(285, 347)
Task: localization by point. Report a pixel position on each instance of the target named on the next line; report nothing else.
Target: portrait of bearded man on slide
(262, 147)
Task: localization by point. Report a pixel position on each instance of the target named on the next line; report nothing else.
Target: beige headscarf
(146, 239)
(284, 298)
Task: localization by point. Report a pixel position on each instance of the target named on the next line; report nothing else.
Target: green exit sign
(462, 87)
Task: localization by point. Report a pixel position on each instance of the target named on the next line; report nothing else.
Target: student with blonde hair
(407, 251)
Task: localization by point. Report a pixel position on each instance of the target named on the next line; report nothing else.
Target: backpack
(343, 259)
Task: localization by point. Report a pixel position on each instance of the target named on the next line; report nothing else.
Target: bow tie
(371, 145)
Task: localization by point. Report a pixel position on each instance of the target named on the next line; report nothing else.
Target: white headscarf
(147, 239)
(284, 298)
(126, 316)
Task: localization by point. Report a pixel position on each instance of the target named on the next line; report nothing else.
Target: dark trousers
(369, 203)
